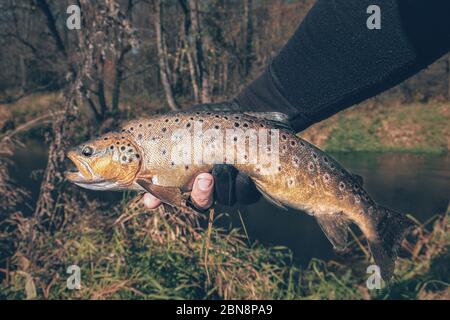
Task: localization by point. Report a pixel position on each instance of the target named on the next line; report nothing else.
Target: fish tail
(390, 230)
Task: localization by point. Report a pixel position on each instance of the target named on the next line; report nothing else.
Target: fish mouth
(82, 173)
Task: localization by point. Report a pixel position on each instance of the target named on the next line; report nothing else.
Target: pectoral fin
(169, 195)
(335, 227)
(269, 197)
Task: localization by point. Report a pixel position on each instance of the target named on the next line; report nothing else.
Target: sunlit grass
(417, 128)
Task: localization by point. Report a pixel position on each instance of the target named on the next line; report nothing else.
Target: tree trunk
(162, 59)
(118, 80)
(225, 76)
(119, 65)
(248, 18)
(101, 90)
(189, 50)
(178, 64)
(51, 24)
(23, 74)
(196, 44)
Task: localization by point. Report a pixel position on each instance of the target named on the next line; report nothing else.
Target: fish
(162, 155)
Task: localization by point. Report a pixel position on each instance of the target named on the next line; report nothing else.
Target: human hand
(202, 194)
(224, 183)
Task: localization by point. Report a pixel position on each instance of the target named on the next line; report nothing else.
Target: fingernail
(150, 201)
(147, 201)
(204, 184)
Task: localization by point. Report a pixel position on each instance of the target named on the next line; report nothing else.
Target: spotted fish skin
(305, 177)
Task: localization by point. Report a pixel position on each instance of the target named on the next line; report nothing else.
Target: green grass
(417, 128)
(352, 134)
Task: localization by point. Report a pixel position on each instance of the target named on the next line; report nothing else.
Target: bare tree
(124, 47)
(91, 50)
(248, 19)
(195, 48)
(118, 77)
(162, 57)
(51, 24)
(204, 48)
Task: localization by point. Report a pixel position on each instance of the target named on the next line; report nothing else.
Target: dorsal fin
(358, 179)
(278, 119)
(335, 227)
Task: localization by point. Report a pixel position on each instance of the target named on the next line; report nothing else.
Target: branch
(48, 118)
(23, 41)
(12, 99)
(51, 24)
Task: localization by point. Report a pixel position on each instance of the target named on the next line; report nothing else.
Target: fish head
(110, 162)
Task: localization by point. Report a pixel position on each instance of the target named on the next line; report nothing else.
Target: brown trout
(163, 154)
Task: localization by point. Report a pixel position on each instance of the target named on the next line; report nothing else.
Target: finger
(150, 201)
(202, 190)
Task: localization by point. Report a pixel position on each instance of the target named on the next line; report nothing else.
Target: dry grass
(155, 256)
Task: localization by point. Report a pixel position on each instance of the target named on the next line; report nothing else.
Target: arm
(334, 61)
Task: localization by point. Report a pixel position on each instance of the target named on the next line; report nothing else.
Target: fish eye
(87, 151)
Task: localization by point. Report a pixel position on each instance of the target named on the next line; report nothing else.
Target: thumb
(203, 191)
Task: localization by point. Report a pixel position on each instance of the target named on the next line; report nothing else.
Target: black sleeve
(334, 61)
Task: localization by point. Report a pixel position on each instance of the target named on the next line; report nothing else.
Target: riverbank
(378, 128)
